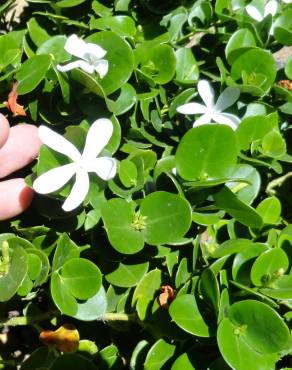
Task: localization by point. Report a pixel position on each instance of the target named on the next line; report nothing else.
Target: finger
(4, 130)
(21, 147)
(15, 197)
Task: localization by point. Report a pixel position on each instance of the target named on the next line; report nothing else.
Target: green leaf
(183, 362)
(288, 68)
(239, 42)
(273, 145)
(185, 313)
(66, 249)
(158, 355)
(13, 275)
(120, 58)
(81, 277)
(32, 72)
(126, 275)
(94, 308)
(207, 151)
(36, 32)
(254, 128)
(55, 46)
(243, 213)
(120, 24)
(124, 102)
(270, 210)
(62, 297)
(252, 62)
(119, 221)
(269, 266)
(159, 63)
(187, 71)
(237, 352)
(210, 288)
(251, 318)
(144, 292)
(167, 217)
(128, 173)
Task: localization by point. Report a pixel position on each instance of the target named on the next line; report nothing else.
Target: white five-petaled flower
(97, 138)
(90, 57)
(212, 112)
(254, 12)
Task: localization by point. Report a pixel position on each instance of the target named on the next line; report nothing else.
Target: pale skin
(19, 146)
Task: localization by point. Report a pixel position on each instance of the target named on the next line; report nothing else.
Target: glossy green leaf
(62, 297)
(185, 313)
(126, 275)
(237, 352)
(268, 267)
(145, 291)
(252, 62)
(238, 43)
(254, 128)
(243, 213)
(36, 32)
(207, 151)
(32, 72)
(119, 220)
(159, 353)
(128, 173)
(14, 273)
(187, 71)
(270, 210)
(120, 58)
(55, 46)
(167, 217)
(92, 309)
(81, 277)
(273, 145)
(66, 249)
(251, 316)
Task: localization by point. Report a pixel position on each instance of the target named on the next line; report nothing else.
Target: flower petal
(206, 93)
(78, 192)
(97, 137)
(205, 118)
(75, 46)
(54, 179)
(58, 143)
(101, 67)
(94, 51)
(271, 8)
(192, 108)
(254, 13)
(227, 119)
(86, 67)
(104, 167)
(227, 98)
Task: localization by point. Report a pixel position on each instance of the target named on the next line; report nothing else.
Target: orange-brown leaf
(166, 296)
(65, 338)
(12, 104)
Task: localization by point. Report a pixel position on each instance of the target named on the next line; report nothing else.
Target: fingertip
(15, 197)
(4, 130)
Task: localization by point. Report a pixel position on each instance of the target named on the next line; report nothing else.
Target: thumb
(4, 130)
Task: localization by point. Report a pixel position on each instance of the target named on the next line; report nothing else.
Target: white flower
(211, 111)
(90, 56)
(270, 7)
(105, 167)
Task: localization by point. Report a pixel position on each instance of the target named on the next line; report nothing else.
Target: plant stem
(29, 320)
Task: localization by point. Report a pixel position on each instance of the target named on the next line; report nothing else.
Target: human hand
(19, 145)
